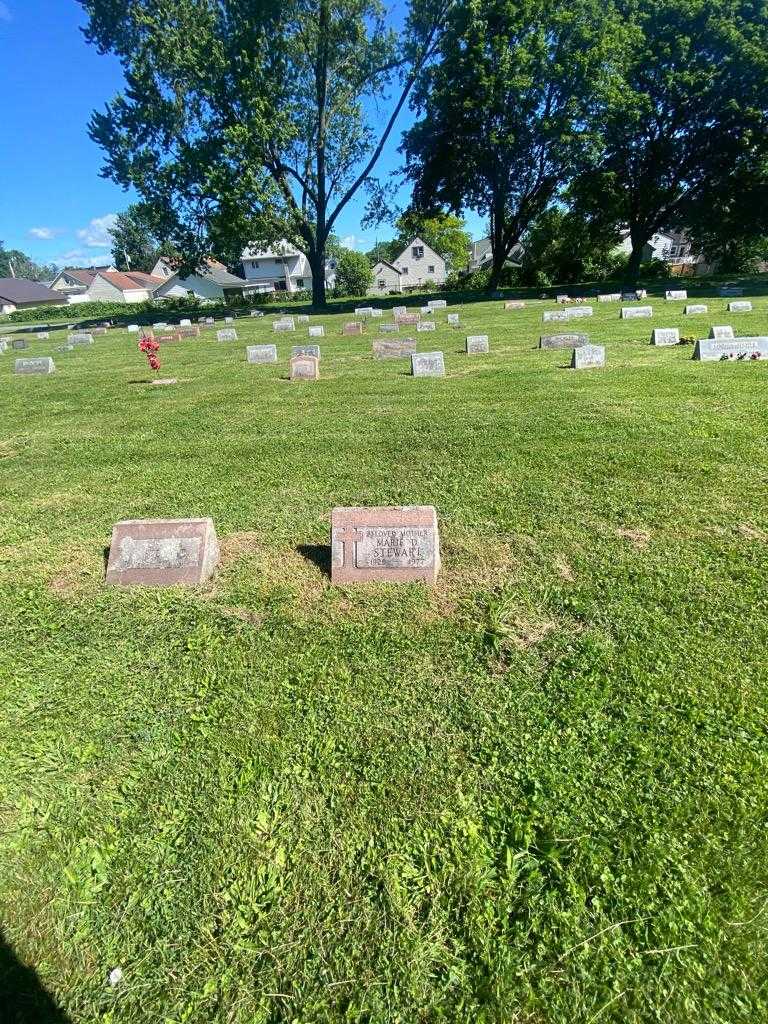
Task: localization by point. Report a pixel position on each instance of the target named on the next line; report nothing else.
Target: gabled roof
(85, 277)
(386, 263)
(281, 248)
(417, 241)
(214, 271)
(18, 289)
(130, 282)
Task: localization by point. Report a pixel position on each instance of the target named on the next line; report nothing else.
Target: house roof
(282, 248)
(85, 277)
(143, 280)
(405, 254)
(214, 271)
(18, 289)
(129, 281)
(386, 263)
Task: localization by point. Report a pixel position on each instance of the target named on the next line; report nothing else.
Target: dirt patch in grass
(752, 533)
(637, 538)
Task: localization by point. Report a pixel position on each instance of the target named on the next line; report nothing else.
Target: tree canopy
(247, 121)
(15, 263)
(135, 245)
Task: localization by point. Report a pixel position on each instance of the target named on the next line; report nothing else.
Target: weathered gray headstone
(377, 313)
(399, 310)
(228, 334)
(162, 552)
(302, 319)
(256, 312)
(635, 312)
(676, 295)
(453, 319)
(317, 331)
(663, 336)
(426, 325)
(427, 364)
(737, 349)
(352, 328)
(80, 339)
(387, 545)
(306, 350)
(261, 353)
(572, 313)
(401, 348)
(160, 327)
(696, 307)
(20, 344)
(4, 344)
(193, 331)
(389, 328)
(587, 356)
(739, 307)
(477, 344)
(43, 364)
(720, 333)
(563, 340)
(98, 332)
(283, 326)
(229, 320)
(364, 311)
(437, 304)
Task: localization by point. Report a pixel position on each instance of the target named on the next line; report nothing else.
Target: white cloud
(353, 242)
(83, 258)
(5, 12)
(97, 234)
(44, 233)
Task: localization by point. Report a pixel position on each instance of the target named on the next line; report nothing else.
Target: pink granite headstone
(514, 305)
(353, 328)
(162, 552)
(393, 544)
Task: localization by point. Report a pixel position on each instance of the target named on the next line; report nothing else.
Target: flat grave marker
(317, 332)
(563, 340)
(133, 328)
(400, 348)
(162, 552)
(389, 328)
(396, 544)
(80, 339)
(306, 350)
(427, 364)
(303, 319)
(426, 325)
(739, 307)
(720, 333)
(636, 312)
(676, 295)
(283, 326)
(572, 313)
(377, 313)
(438, 304)
(43, 364)
(19, 344)
(261, 353)
(228, 334)
(586, 357)
(42, 336)
(736, 349)
(256, 312)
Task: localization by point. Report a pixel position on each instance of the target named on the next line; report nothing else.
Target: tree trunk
(638, 237)
(317, 263)
(497, 266)
(498, 252)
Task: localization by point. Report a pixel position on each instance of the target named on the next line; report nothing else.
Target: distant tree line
(247, 121)
(15, 263)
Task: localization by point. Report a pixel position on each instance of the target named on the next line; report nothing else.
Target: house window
(381, 283)
(430, 270)
(404, 270)
(417, 251)
(299, 282)
(255, 265)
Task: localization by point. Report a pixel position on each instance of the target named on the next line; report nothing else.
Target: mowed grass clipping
(535, 793)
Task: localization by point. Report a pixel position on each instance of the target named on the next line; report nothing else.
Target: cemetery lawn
(535, 794)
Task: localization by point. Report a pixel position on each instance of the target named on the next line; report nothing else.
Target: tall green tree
(562, 247)
(689, 120)
(353, 270)
(15, 263)
(135, 245)
(444, 232)
(245, 121)
(505, 110)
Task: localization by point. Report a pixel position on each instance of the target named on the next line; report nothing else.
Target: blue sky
(53, 203)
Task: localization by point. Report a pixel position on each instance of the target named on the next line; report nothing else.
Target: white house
(386, 278)
(113, 286)
(280, 268)
(74, 282)
(672, 247)
(420, 266)
(213, 282)
(481, 255)
(163, 268)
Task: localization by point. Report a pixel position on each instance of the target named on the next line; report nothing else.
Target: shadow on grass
(319, 555)
(23, 997)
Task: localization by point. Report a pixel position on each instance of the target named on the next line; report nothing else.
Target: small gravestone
(365, 311)
(80, 339)
(402, 348)
(261, 353)
(228, 334)
(256, 312)
(426, 310)
(697, 307)
(426, 325)
(399, 310)
(99, 332)
(453, 319)
(641, 293)
(64, 348)
(377, 313)
(133, 328)
(512, 305)
(389, 328)
(676, 295)
(737, 349)
(586, 356)
(306, 350)
(43, 336)
(159, 327)
(229, 320)
(317, 332)
(609, 297)
(561, 299)
(162, 552)
(385, 545)
(636, 312)
(437, 304)
(477, 344)
(730, 292)
(193, 331)
(4, 344)
(739, 307)
(720, 333)
(628, 297)
(42, 365)
(209, 321)
(664, 336)
(352, 328)
(20, 344)
(427, 364)
(305, 367)
(185, 323)
(573, 313)
(303, 319)
(563, 340)
(283, 326)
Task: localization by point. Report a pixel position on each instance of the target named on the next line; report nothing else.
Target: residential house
(386, 278)
(130, 287)
(672, 247)
(74, 282)
(481, 255)
(420, 266)
(18, 293)
(212, 282)
(163, 269)
(280, 268)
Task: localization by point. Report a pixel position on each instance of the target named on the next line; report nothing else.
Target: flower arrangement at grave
(151, 350)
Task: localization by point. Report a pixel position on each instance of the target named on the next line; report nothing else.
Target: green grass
(535, 793)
